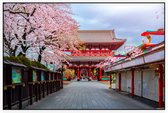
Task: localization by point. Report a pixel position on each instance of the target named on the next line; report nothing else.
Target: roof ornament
(147, 34)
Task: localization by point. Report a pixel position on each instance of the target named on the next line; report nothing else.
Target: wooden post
(36, 91)
(43, 83)
(132, 83)
(160, 92)
(20, 96)
(39, 91)
(20, 90)
(62, 73)
(30, 94)
(100, 77)
(119, 82)
(39, 84)
(47, 81)
(30, 86)
(50, 84)
(9, 99)
(9, 82)
(54, 78)
(57, 81)
(53, 82)
(43, 90)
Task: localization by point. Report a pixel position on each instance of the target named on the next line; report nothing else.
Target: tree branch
(16, 12)
(33, 12)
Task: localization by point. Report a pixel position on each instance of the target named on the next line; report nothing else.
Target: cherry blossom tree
(40, 28)
(131, 52)
(16, 23)
(9, 44)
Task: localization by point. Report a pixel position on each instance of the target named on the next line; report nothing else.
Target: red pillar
(110, 79)
(119, 82)
(100, 73)
(160, 92)
(89, 71)
(132, 83)
(78, 73)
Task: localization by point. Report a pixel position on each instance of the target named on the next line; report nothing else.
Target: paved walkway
(87, 95)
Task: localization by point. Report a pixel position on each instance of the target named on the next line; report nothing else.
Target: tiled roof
(87, 58)
(102, 36)
(154, 55)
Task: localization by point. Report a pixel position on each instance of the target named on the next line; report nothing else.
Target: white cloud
(128, 20)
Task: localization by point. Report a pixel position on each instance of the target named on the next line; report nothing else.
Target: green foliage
(33, 63)
(38, 64)
(13, 59)
(25, 61)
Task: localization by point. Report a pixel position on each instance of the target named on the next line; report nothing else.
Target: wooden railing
(33, 85)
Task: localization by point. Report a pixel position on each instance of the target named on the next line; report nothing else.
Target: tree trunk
(41, 51)
(21, 54)
(39, 58)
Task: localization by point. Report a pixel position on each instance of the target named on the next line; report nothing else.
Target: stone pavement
(87, 95)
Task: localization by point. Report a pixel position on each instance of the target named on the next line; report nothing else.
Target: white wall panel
(129, 76)
(123, 81)
(150, 85)
(137, 83)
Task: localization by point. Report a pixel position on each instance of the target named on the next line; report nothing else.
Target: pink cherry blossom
(33, 26)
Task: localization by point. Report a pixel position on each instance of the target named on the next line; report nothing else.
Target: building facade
(98, 45)
(142, 76)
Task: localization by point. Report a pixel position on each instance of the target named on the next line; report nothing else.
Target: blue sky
(128, 20)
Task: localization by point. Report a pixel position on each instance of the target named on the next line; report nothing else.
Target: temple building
(98, 45)
(143, 75)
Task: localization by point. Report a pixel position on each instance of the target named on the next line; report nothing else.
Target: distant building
(99, 44)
